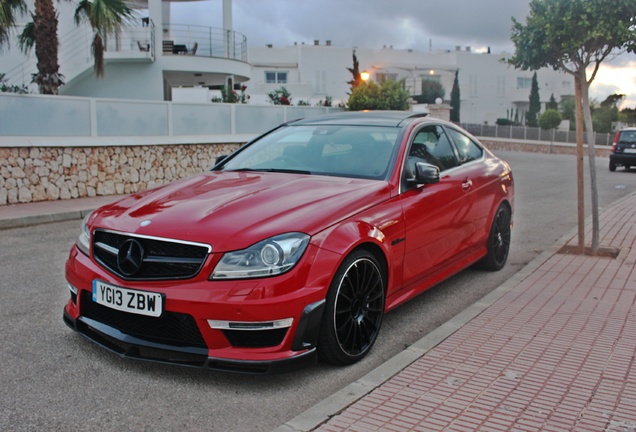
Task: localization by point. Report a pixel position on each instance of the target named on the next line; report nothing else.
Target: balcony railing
(204, 41)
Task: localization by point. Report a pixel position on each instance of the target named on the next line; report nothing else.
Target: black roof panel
(371, 118)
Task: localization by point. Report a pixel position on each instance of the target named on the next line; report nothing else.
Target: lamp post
(364, 76)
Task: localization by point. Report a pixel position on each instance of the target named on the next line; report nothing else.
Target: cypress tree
(535, 104)
(455, 100)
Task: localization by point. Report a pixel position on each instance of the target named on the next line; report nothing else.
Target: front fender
(381, 229)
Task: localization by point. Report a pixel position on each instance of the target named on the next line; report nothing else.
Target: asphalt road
(53, 379)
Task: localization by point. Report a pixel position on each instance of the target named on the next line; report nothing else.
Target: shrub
(387, 96)
(279, 97)
(550, 119)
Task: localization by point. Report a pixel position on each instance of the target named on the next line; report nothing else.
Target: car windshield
(628, 137)
(346, 151)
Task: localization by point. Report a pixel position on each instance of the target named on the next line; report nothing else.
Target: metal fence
(533, 134)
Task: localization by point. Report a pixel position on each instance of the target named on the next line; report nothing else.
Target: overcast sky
(405, 24)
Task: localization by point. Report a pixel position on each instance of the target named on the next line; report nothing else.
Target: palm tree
(44, 32)
(8, 11)
(105, 17)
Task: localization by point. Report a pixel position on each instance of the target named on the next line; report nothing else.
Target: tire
(354, 310)
(612, 166)
(498, 240)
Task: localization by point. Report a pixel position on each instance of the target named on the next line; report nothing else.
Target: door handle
(467, 184)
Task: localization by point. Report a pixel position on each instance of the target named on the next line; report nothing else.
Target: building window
(381, 77)
(276, 77)
(524, 83)
(321, 82)
(501, 86)
(473, 85)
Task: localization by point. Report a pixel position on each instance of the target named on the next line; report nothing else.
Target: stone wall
(30, 174)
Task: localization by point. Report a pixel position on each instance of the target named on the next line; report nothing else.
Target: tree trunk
(46, 44)
(589, 128)
(580, 173)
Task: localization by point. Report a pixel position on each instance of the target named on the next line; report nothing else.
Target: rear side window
(468, 149)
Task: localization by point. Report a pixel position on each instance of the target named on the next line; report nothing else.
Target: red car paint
(424, 235)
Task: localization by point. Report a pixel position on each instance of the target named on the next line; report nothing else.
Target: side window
(431, 145)
(468, 149)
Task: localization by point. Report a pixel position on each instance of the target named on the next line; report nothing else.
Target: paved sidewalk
(21, 215)
(551, 350)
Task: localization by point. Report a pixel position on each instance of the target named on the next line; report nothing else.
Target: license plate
(127, 300)
(629, 150)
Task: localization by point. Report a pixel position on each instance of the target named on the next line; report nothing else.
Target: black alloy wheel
(498, 240)
(354, 310)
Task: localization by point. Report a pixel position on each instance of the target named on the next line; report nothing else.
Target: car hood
(233, 210)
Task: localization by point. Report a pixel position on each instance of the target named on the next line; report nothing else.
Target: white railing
(63, 116)
(75, 57)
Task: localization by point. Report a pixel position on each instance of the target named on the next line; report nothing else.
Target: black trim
(309, 326)
(130, 347)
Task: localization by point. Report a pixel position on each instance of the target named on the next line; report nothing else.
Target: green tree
(535, 103)
(550, 119)
(552, 104)
(106, 18)
(431, 90)
(627, 115)
(455, 99)
(355, 72)
(572, 36)
(9, 10)
(606, 113)
(567, 108)
(389, 95)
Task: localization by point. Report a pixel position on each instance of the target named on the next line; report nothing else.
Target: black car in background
(624, 149)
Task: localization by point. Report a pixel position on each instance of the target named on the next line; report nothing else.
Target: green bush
(387, 96)
(550, 119)
(279, 97)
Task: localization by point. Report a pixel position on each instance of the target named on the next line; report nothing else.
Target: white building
(489, 88)
(155, 59)
(148, 58)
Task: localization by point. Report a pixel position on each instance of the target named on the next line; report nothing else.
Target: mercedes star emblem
(130, 257)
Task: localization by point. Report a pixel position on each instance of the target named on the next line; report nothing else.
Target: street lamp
(364, 76)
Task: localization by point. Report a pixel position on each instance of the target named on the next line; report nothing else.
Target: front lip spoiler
(138, 349)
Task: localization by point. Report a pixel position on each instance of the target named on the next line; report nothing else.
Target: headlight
(270, 257)
(84, 240)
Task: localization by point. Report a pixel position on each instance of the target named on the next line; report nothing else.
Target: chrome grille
(158, 258)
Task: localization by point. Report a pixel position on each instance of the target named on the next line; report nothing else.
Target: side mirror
(220, 159)
(425, 173)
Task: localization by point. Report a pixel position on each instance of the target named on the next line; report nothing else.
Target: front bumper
(139, 349)
(186, 334)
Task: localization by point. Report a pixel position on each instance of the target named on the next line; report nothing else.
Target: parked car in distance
(293, 247)
(624, 149)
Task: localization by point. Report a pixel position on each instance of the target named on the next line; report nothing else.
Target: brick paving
(555, 353)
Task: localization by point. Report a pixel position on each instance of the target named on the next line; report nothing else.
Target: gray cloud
(369, 23)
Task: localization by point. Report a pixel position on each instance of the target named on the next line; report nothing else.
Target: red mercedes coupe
(292, 248)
